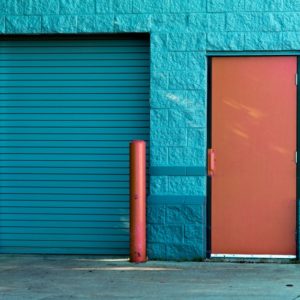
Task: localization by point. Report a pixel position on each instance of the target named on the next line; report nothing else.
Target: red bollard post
(138, 201)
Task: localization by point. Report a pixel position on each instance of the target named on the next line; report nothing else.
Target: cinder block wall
(182, 31)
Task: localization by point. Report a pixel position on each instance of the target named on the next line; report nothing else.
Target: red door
(254, 140)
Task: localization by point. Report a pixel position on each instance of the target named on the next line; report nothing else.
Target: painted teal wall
(182, 31)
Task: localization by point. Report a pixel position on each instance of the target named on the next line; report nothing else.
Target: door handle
(211, 162)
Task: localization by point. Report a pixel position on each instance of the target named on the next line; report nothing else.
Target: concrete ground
(86, 277)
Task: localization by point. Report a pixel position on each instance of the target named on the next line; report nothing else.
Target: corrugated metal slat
(68, 110)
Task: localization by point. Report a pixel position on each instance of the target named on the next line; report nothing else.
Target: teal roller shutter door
(68, 110)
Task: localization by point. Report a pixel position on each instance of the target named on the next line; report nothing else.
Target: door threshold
(254, 256)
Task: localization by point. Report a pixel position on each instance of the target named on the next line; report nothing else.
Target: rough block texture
(181, 33)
